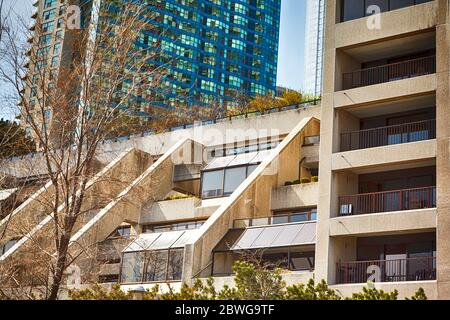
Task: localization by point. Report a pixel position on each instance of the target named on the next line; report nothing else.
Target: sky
(291, 49)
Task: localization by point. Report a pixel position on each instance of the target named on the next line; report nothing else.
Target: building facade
(314, 33)
(218, 48)
(384, 144)
(208, 51)
(352, 190)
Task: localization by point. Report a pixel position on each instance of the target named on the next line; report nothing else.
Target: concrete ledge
(387, 91)
(396, 22)
(388, 222)
(301, 195)
(386, 155)
(291, 278)
(405, 289)
(223, 132)
(171, 210)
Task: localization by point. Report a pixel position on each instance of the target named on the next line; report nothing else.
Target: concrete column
(322, 270)
(443, 150)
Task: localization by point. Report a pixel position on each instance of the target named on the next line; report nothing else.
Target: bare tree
(1, 19)
(69, 113)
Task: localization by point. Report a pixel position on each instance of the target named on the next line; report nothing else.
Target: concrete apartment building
(339, 191)
(384, 144)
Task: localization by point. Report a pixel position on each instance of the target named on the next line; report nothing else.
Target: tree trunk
(60, 267)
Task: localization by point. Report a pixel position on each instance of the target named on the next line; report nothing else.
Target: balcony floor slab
(384, 223)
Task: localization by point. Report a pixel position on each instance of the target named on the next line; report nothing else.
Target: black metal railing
(389, 135)
(389, 72)
(388, 201)
(396, 270)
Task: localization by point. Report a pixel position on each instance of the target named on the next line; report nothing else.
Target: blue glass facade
(213, 50)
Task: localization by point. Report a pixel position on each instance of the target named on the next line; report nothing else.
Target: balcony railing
(396, 270)
(407, 199)
(298, 217)
(390, 135)
(390, 72)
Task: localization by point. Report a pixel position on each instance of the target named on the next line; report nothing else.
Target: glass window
(287, 235)
(280, 219)
(121, 232)
(383, 5)
(166, 240)
(397, 4)
(260, 222)
(132, 267)
(300, 261)
(267, 237)
(250, 169)
(352, 9)
(248, 238)
(156, 266)
(276, 258)
(212, 184)
(175, 268)
(5, 248)
(233, 179)
(300, 217)
(314, 215)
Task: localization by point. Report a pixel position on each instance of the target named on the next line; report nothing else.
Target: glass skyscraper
(314, 33)
(213, 50)
(209, 51)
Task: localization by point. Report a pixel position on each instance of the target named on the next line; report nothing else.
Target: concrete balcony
(170, 210)
(291, 278)
(185, 172)
(392, 270)
(384, 223)
(387, 91)
(392, 155)
(389, 135)
(405, 289)
(295, 196)
(398, 22)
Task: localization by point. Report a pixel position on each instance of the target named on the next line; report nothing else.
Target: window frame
(145, 264)
(223, 170)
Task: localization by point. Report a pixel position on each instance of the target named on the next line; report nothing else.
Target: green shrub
(315, 179)
(374, 294)
(305, 180)
(178, 197)
(288, 183)
(311, 292)
(419, 295)
(97, 292)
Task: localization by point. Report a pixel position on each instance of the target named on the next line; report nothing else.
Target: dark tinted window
(352, 9)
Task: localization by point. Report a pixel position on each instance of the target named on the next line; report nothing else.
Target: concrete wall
(405, 289)
(297, 196)
(384, 156)
(394, 23)
(171, 210)
(224, 132)
(443, 154)
(251, 199)
(152, 185)
(384, 223)
(384, 91)
(104, 185)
